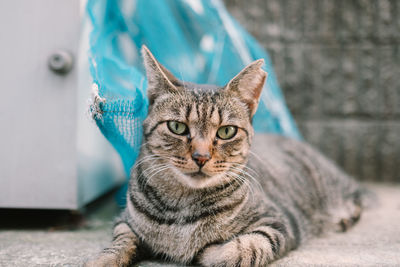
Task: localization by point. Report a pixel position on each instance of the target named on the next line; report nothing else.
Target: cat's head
(202, 133)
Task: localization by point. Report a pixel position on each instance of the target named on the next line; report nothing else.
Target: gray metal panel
(37, 107)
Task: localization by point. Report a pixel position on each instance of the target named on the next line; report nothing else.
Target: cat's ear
(160, 80)
(248, 84)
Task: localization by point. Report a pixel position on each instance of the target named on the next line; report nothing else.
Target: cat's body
(198, 194)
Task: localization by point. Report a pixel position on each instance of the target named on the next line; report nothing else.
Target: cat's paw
(220, 255)
(101, 261)
(107, 260)
(252, 249)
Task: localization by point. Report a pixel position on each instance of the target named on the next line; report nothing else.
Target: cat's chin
(198, 175)
(200, 180)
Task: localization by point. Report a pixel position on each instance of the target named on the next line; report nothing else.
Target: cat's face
(202, 133)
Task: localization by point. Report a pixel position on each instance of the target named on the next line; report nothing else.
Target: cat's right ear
(160, 80)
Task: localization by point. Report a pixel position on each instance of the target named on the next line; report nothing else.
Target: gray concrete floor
(48, 238)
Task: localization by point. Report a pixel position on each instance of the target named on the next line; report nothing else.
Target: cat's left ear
(248, 84)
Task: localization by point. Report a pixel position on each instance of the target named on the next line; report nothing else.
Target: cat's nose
(200, 159)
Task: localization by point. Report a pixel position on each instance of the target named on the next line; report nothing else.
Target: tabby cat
(206, 191)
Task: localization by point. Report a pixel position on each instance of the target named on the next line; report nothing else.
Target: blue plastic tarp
(197, 40)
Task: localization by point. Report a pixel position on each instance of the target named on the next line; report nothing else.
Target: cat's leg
(353, 214)
(348, 213)
(123, 251)
(259, 247)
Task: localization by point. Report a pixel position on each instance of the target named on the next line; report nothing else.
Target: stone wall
(338, 62)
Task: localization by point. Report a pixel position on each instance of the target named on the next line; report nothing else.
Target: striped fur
(244, 207)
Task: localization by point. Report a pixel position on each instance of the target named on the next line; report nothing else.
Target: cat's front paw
(107, 260)
(252, 249)
(221, 256)
(102, 261)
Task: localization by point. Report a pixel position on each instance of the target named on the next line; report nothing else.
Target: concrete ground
(32, 238)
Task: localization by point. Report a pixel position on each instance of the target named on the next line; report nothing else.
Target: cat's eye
(226, 132)
(177, 127)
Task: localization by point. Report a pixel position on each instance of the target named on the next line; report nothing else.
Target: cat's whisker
(153, 168)
(249, 185)
(143, 144)
(146, 158)
(148, 179)
(156, 172)
(251, 177)
(183, 81)
(243, 181)
(245, 167)
(143, 160)
(256, 156)
(145, 172)
(148, 172)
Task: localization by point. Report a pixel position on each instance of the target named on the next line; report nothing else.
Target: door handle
(60, 61)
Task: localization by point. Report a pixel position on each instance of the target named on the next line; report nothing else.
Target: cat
(206, 190)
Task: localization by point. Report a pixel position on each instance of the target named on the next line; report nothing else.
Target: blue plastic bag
(197, 40)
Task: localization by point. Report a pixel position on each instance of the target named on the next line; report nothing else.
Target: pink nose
(200, 159)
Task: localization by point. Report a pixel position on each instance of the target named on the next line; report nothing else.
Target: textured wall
(338, 62)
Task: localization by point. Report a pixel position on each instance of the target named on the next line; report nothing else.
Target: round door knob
(60, 61)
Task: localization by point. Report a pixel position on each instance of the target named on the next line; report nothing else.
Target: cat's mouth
(198, 175)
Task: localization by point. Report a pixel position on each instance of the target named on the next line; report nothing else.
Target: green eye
(177, 127)
(226, 132)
